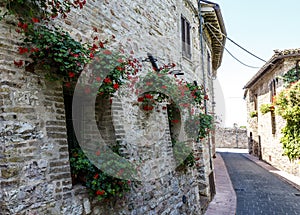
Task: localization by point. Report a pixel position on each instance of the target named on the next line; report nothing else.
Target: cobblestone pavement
(259, 191)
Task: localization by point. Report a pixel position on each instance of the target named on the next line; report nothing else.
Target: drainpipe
(202, 66)
(203, 72)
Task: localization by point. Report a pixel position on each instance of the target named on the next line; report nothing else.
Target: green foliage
(56, 49)
(265, 108)
(99, 183)
(25, 9)
(198, 125)
(287, 106)
(183, 155)
(291, 76)
(253, 114)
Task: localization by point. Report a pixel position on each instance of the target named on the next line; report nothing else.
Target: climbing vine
(287, 106)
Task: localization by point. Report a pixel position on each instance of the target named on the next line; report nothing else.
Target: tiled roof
(278, 54)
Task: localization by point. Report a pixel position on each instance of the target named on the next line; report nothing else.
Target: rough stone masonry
(35, 173)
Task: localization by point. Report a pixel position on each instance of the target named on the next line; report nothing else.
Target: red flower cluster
(71, 74)
(107, 80)
(148, 96)
(116, 86)
(18, 63)
(35, 20)
(140, 99)
(80, 3)
(148, 107)
(100, 192)
(23, 26)
(23, 50)
(175, 121)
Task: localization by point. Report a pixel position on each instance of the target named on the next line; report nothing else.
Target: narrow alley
(257, 190)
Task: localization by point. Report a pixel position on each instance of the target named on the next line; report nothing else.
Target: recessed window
(272, 87)
(185, 37)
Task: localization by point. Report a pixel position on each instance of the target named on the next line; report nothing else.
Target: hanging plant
(266, 108)
(253, 114)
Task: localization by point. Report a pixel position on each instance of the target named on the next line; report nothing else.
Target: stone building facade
(264, 131)
(35, 175)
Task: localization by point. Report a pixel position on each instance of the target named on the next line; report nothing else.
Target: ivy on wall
(287, 106)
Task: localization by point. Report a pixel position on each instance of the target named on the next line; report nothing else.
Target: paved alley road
(259, 191)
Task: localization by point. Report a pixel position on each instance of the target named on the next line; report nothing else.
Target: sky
(260, 26)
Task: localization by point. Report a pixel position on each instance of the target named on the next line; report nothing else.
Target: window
(255, 102)
(185, 37)
(272, 87)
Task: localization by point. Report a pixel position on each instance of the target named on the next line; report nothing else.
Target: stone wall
(231, 138)
(264, 142)
(34, 159)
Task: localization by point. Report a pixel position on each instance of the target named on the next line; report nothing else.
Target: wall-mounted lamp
(176, 72)
(153, 61)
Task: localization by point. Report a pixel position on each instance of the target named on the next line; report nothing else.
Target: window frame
(186, 37)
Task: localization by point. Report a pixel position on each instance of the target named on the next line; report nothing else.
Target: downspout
(203, 71)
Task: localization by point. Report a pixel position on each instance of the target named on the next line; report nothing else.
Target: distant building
(264, 131)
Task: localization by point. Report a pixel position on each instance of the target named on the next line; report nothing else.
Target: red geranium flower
(140, 99)
(148, 107)
(100, 192)
(107, 80)
(175, 121)
(35, 20)
(23, 50)
(101, 45)
(94, 47)
(71, 74)
(34, 50)
(96, 176)
(206, 97)
(25, 26)
(116, 86)
(148, 96)
(18, 63)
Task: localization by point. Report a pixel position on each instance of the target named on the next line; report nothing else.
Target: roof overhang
(211, 13)
(274, 61)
